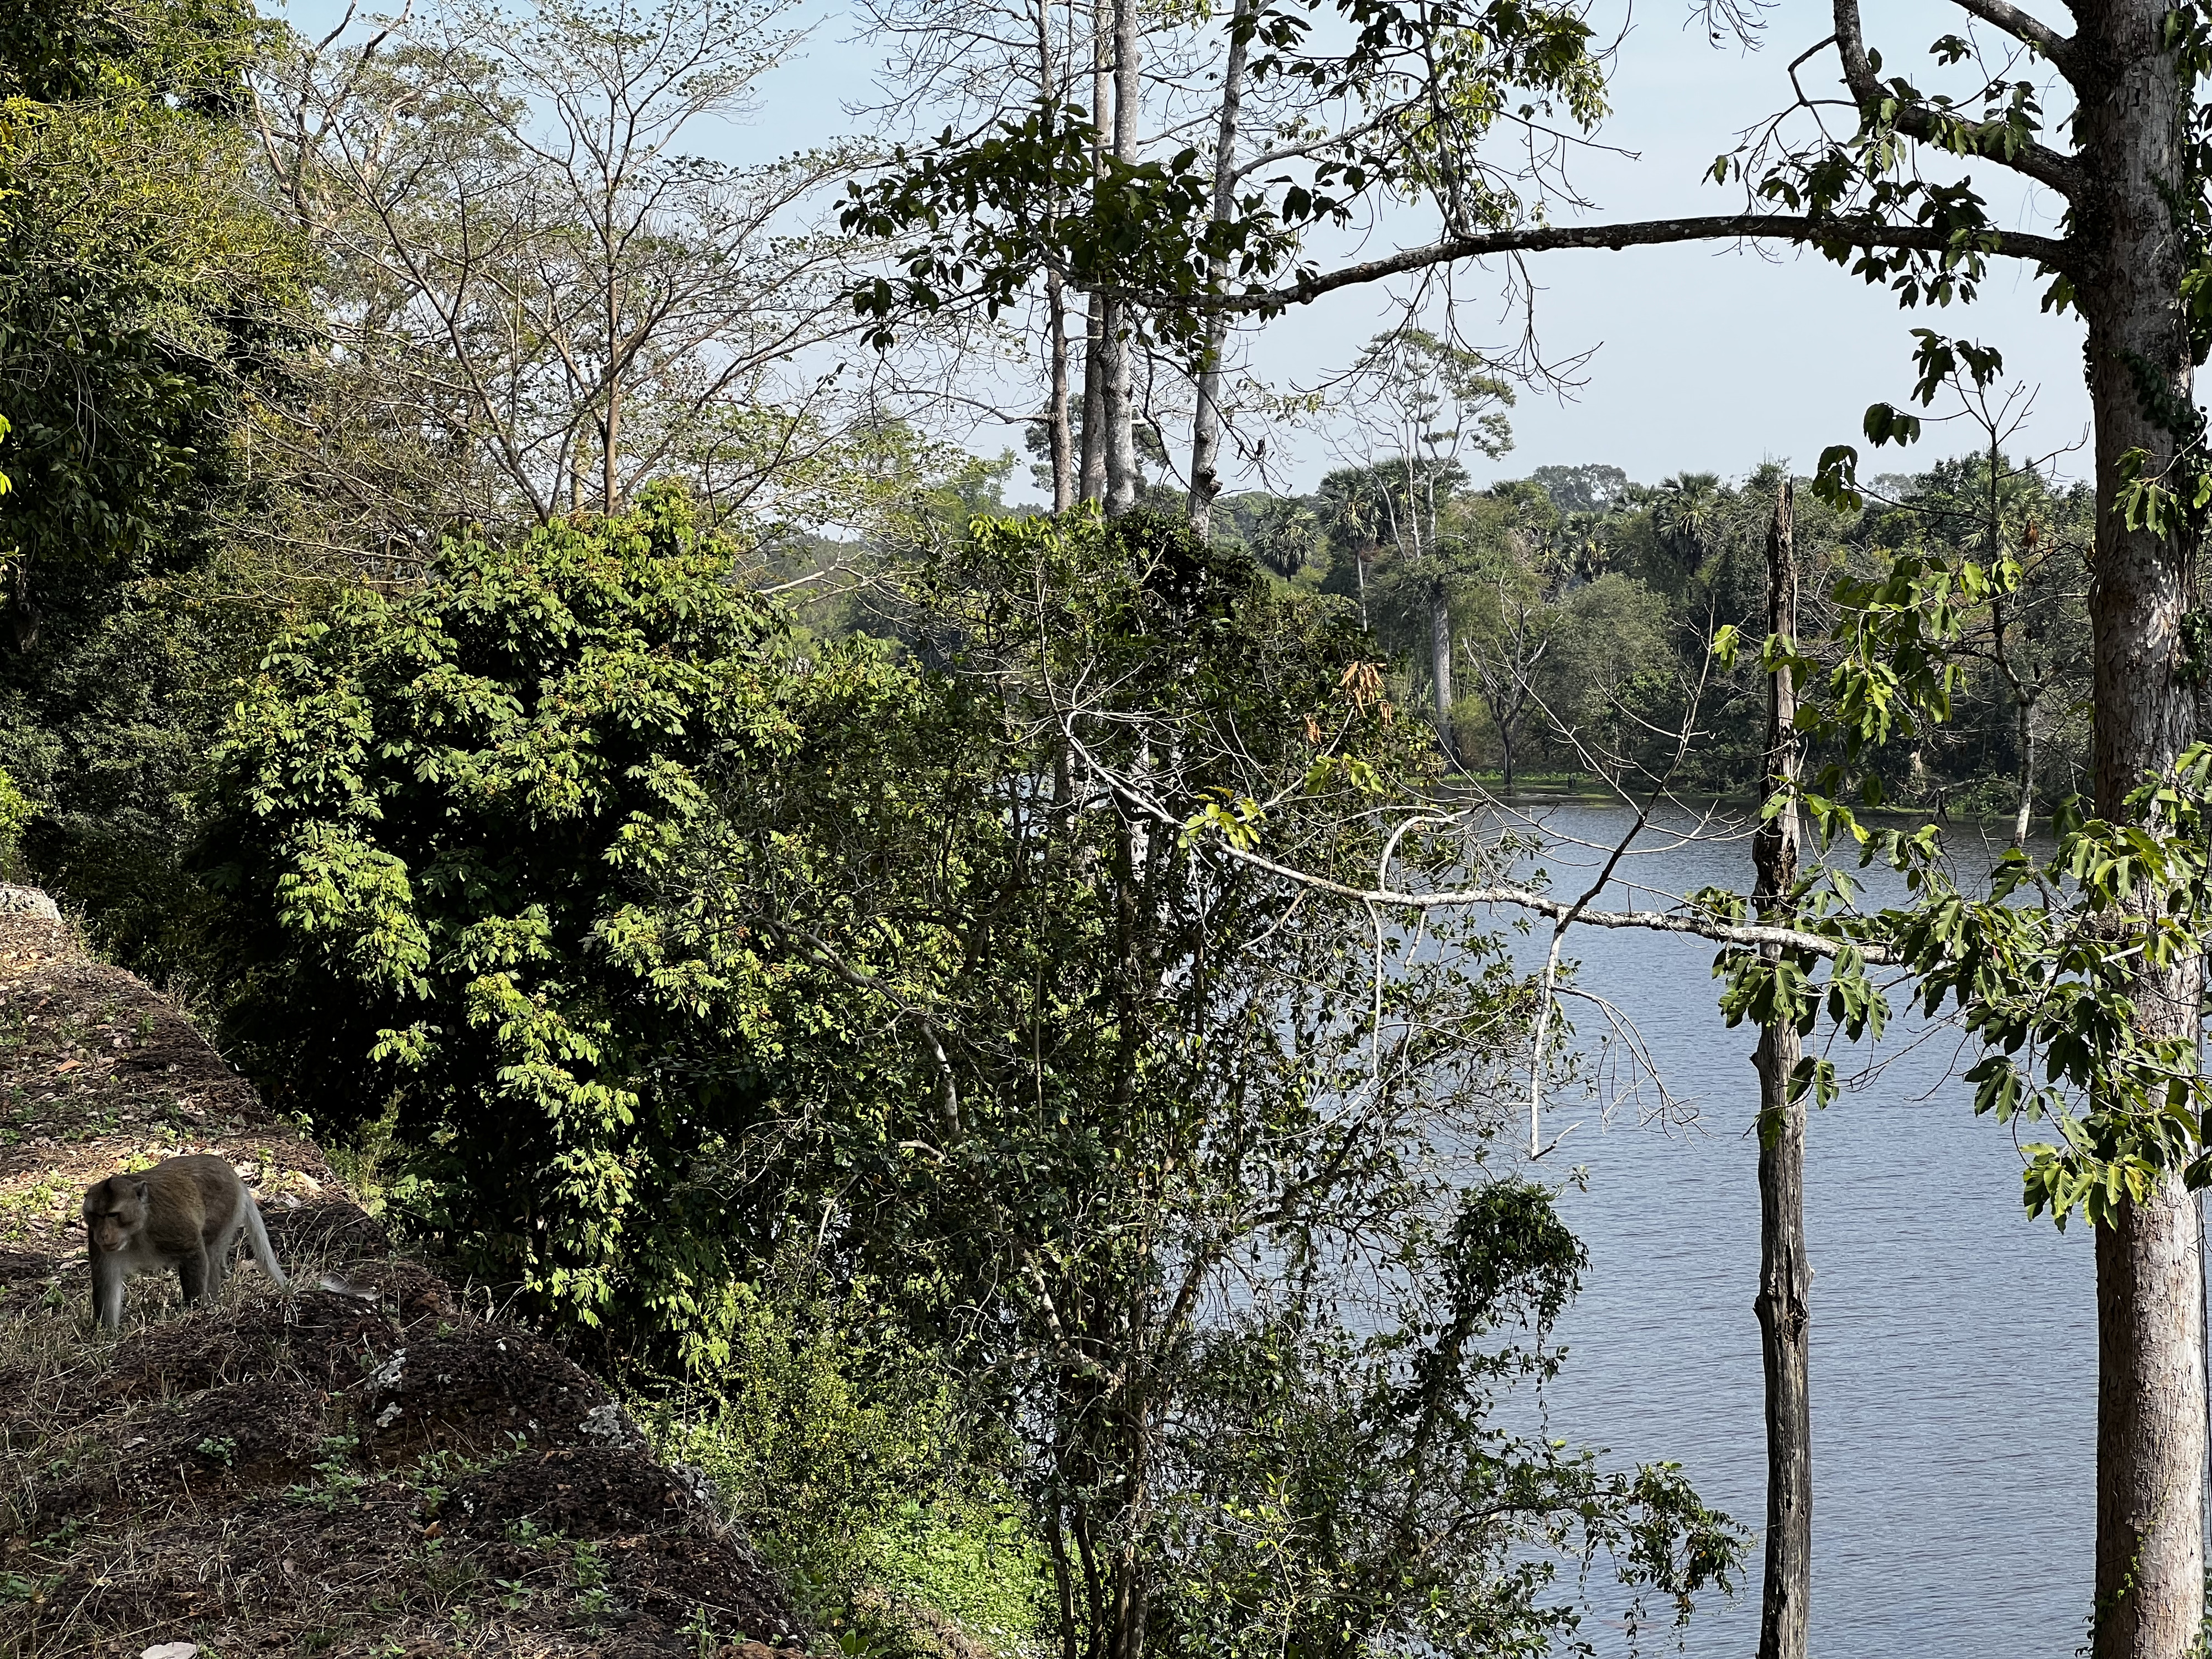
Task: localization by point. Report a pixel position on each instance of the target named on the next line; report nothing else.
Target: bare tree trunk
(610, 433)
(1094, 341)
(1059, 439)
(1440, 670)
(608, 484)
(1093, 483)
(2150, 1424)
(1119, 408)
(1785, 1275)
(1063, 1582)
(2132, 125)
(1205, 421)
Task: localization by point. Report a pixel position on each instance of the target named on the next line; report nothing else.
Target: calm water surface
(1953, 1362)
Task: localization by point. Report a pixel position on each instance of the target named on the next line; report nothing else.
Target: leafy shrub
(441, 823)
(16, 809)
(841, 1448)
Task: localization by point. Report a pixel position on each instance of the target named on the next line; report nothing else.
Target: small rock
(388, 1375)
(172, 1650)
(606, 1423)
(30, 902)
(701, 1484)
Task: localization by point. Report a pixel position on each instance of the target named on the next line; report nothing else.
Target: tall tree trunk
(1058, 436)
(1093, 484)
(1440, 669)
(610, 429)
(1060, 439)
(1063, 1582)
(2131, 122)
(1205, 421)
(610, 437)
(1785, 1275)
(1132, 1577)
(1119, 403)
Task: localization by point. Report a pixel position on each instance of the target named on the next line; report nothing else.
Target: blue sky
(1703, 358)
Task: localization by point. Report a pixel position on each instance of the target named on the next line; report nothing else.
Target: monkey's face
(113, 1211)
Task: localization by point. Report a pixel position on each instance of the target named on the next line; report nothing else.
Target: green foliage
(148, 300)
(838, 1445)
(972, 1559)
(16, 809)
(1102, 1127)
(441, 820)
(1401, 101)
(1337, 1504)
(2033, 972)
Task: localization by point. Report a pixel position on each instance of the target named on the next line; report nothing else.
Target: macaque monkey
(185, 1213)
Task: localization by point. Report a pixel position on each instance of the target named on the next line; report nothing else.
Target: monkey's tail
(258, 1235)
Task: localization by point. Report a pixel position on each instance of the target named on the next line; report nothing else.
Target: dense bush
(440, 822)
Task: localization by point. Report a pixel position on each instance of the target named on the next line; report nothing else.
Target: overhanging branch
(2049, 251)
(1544, 904)
(1571, 911)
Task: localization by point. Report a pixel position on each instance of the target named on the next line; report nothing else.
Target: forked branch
(2056, 49)
(2038, 161)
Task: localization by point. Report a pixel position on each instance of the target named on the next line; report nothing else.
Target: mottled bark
(1093, 483)
(1059, 436)
(1786, 1273)
(1206, 420)
(2131, 125)
(1059, 432)
(1118, 409)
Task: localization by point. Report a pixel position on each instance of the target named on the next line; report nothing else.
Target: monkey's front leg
(106, 1290)
(192, 1270)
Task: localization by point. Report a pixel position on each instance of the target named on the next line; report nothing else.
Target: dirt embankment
(371, 1471)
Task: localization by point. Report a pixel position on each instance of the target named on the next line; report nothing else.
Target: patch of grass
(360, 1162)
(842, 1452)
(976, 1561)
(340, 1483)
(37, 1202)
(219, 1449)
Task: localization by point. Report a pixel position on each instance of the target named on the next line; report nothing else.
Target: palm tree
(1688, 512)
(1287, 536)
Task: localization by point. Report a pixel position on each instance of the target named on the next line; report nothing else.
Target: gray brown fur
(185, 1213)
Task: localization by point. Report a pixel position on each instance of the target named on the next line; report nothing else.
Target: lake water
(1954, 1360)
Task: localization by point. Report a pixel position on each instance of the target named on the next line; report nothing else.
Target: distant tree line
(1570, 614)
